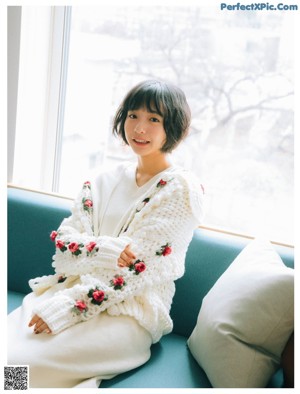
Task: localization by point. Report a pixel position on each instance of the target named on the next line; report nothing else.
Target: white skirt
(80, 356)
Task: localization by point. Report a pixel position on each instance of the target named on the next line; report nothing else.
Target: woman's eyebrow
(155, 113)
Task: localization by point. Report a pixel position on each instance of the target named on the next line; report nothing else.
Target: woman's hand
(39, 325)
(127, 257)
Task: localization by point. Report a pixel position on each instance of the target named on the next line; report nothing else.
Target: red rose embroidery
(80, 307)
(97, 295)
(87, 203)
(61, 245)
(161, 183)
(87, 184)
(118, 282)
(165, 250)
(73, 247)
(61, 279)
(138, 267)
(90, 246)
(53, 235)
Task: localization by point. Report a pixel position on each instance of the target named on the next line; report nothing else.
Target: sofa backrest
(32, 216)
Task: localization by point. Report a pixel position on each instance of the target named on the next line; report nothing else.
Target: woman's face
(145, 132)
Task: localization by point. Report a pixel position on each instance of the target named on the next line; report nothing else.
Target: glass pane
(32, 103)
(237, 72)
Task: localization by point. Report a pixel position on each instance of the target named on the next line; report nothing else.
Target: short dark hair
(164, 98)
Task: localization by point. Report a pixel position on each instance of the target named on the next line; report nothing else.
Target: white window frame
(54, 93)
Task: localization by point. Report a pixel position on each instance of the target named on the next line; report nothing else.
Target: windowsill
(11, 185)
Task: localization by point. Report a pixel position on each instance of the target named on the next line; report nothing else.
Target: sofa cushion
(170, 366)
(209, 254)
(246, 319)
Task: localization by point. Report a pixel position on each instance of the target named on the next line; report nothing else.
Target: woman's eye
(131, 116)
(154, 120)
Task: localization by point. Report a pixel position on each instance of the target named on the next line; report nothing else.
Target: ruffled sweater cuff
(57, 314)
(40, 284)
(111, 249)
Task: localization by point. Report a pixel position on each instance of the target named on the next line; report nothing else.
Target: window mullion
(54, 118)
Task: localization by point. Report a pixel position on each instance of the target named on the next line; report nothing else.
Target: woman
(117, 256)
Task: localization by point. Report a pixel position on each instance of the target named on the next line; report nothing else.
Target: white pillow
(245, 320)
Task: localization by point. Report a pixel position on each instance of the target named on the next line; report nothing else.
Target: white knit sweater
(159, 228)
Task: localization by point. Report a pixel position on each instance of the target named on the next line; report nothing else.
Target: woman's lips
(140, 142)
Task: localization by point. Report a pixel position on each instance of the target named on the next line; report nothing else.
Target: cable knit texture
(159, 228)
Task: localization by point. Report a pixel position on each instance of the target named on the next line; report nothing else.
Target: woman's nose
(140, 128)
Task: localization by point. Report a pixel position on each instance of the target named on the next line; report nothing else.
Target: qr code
(16, 377)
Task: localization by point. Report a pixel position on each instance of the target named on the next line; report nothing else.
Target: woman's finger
(33, 321)
(42, 327)
(126, 257)
(129, 252)
(40, 323)
(123, 263)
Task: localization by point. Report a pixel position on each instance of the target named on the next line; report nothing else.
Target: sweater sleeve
(78, 250)
(159, 234)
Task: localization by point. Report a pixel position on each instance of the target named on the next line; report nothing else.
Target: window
(236, 69)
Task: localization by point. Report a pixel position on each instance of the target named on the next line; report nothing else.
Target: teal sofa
(31, 218)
